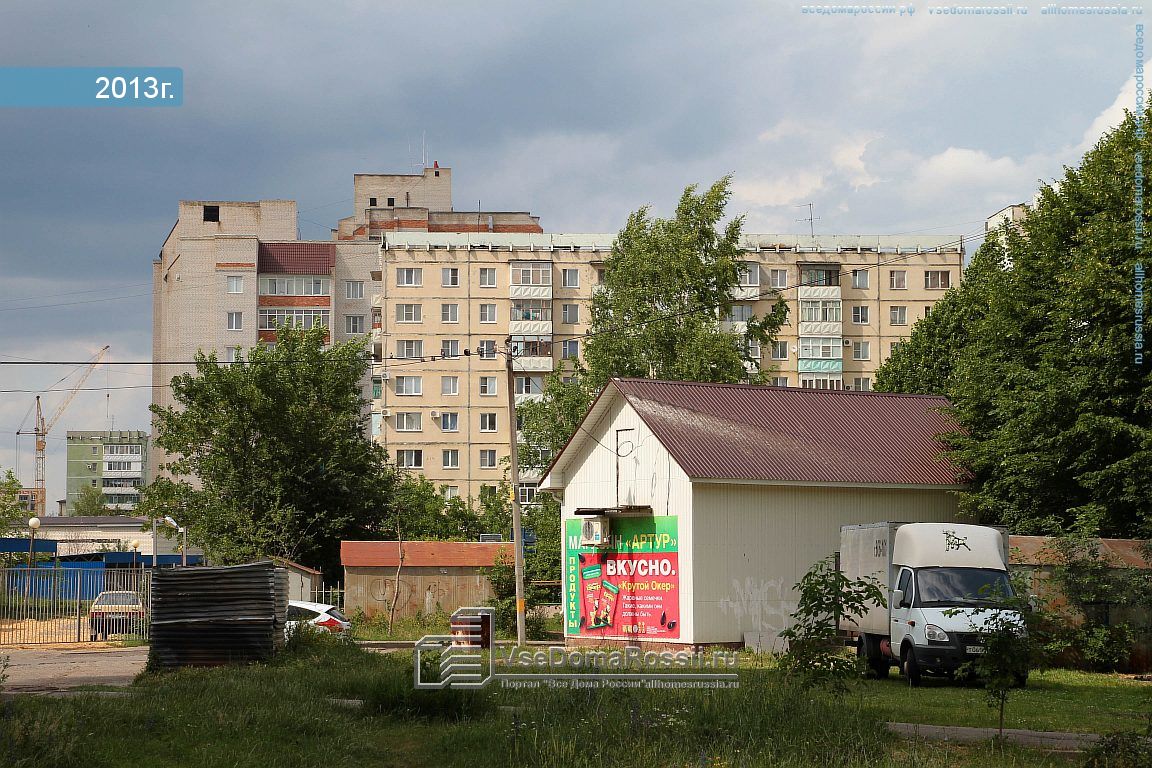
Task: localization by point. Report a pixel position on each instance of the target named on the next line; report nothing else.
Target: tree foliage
(269, 456)
(1037, 357)
(11, 513)
(89, 502)
(668, 286)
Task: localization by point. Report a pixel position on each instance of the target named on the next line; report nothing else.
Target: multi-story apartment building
(115, 462)
(450, 304)
(444, 294)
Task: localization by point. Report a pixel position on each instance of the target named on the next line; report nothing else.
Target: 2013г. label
(118, 88)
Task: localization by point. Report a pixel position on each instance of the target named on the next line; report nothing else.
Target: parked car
(116, 613)
(324, 617)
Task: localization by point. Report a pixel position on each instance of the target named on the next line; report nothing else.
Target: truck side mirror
(897, 598)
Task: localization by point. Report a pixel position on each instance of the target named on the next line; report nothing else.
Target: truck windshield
(961, 586)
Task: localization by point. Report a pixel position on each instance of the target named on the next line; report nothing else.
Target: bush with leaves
(815, 654)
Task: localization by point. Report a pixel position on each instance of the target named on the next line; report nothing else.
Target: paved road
(36, 670)
(1035, 739)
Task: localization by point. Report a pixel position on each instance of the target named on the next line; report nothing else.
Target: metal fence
(73, 605)
(329, 596)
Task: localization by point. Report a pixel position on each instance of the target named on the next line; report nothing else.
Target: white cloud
(781, 189)
(1111, 117)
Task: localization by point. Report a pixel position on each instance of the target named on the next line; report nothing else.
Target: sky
(910, 122)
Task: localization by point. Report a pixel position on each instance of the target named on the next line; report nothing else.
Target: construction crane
(41, 429)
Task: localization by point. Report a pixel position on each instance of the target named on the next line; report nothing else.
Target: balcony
(747, 292)
(734, 326)
(818, 292)
(530, 328)
(530, 292)
(526, 397)
(532, 364)
(808, 365)
(820, 328)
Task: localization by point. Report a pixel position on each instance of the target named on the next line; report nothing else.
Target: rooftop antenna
(423, 149)
(810, 220)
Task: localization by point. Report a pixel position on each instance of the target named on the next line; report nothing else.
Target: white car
(321, 616)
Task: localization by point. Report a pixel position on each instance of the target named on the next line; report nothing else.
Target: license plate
(974, 650)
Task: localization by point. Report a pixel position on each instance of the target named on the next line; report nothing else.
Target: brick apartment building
(440, 292)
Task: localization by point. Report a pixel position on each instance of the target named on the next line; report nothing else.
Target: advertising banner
(629, 588)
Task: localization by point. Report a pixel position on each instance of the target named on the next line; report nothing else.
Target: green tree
(89, 502)
(1054, 409)
(269, 455)
(11, 513)
(668, 287)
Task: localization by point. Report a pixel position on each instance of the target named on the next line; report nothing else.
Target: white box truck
(935, 576)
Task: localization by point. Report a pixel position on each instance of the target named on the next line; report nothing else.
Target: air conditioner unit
(435, 414)
(385, 376)
(594, 532)
(847, 342)
(386, 412)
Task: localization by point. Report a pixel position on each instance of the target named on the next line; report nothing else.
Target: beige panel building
(443, 292)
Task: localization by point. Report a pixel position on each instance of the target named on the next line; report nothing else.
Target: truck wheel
(911, 667)
(870, 646)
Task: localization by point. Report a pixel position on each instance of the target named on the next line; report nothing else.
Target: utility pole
(514, 495)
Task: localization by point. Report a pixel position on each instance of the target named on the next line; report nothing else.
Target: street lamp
(184, 542)
(33, 526)
(135, 544)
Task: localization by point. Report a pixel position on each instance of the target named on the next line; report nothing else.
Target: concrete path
(1035, 739)
(42, 669)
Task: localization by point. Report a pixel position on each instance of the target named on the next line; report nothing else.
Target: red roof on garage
(422, 553)
(297, 258)
(745, 432)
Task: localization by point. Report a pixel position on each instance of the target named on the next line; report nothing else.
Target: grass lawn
(1055, 700)
(282, 714)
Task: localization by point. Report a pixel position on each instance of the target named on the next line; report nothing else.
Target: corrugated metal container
(220, 615)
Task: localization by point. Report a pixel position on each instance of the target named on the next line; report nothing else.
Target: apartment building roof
(444, 554)
(746, 433)
(297, 258)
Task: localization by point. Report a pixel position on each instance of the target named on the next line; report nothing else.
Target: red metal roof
(422, 553)
(758, 433)
(297, 258)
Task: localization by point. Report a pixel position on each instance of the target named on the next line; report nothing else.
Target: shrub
(1120, 750)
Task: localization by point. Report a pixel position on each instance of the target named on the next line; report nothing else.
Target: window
(408, 421)
(271, 319)
(488, 386)
(410, 459)
(820, 381)
(859, 278)
(118, 466)
(371, 202)
(570, 349)
(487, 277)
(779, 381)
(449, 313)
(821, 347)
(235, 321)
(749, 273)
(898, 315)
(779, 350)
(487, 492)
(824, 311)
(532, 346)
(408, 313)
(600, 275)
(353, 289)
(449, 385)
(860, 350)
(862, 384)
(95, 450)
(232, 354)
(487, 422)
(571, 313)
(377, 387)
(819, 276)
(294, 286)
(212, 213)
(449, 421)
(487, 313)
(391, 202)
(752, 349)
(529, 385)
(898, 279)
(532, 309)
(450, 277)
(571, 278)
(408, 385)
(450, 348)
(120, 450)
(526, 493)
(354, 324)
(860, 315)
(488, 458)
(451, 459)
(409, 348)
(409, 276)
(778, 278)
(451, 491)
(739, 313)
(487, 349)
(235, 284)
(532, 273)
(937, 279)
(894, 346)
